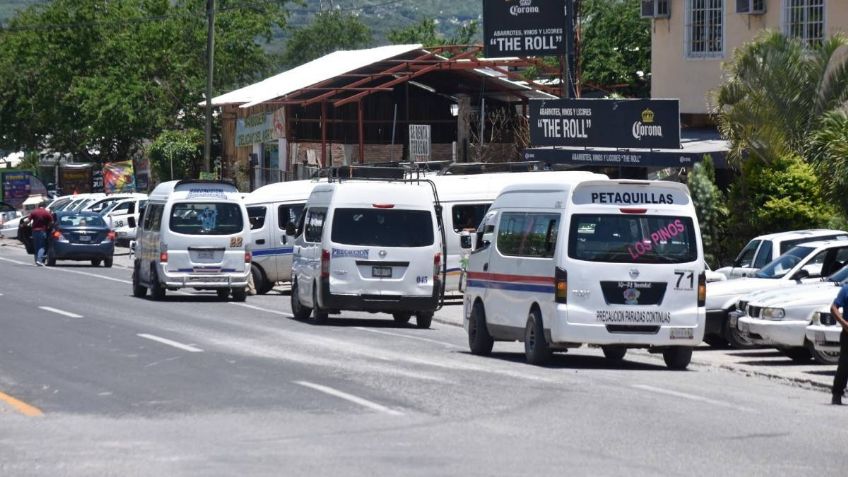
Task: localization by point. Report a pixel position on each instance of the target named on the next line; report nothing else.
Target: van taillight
(560, 285)
(633, 211)
(163, 257)
(383, 206)
(702, 289)
(248, 257)
(437, 265)
(325, 264)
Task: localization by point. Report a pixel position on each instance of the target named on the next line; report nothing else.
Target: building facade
(691, 39)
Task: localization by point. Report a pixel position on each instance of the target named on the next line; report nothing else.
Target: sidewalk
(767, 363)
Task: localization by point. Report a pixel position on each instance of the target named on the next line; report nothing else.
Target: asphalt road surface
(96, 382)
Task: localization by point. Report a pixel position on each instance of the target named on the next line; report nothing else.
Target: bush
(711, 210)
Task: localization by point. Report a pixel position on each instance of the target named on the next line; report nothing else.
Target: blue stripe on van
(524, 287)
(273, 251)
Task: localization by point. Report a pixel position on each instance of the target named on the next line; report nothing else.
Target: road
(96, 382)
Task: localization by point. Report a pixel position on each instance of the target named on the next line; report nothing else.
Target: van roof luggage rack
(467, 168)
(206, 181)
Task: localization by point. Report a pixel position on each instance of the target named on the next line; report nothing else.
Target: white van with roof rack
(761, 250)
(194, 233)
(273, 211)
(371, 246)
(613, 263)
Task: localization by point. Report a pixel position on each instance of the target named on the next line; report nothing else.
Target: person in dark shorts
(841, 378)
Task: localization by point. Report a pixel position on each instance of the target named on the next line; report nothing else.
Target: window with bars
(704, 28)
(804, 19)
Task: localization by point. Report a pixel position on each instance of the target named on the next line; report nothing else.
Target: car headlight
(773, 313)
(823, 318)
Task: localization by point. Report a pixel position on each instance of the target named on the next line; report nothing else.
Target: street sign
(524, 28)
(626, 123)
(419, 142)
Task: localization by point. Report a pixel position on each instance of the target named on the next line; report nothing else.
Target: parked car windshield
(383, 227)
(80, 220)
(206, 218)
(632, 238)
(781, 265)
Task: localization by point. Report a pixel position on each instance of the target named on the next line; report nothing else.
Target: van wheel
(157, 291)
(798, 355)
(423, 319)
(299, 311)
(479, 340)
(223, 293)
(139, 290)
(260, 284)
(107, 262)
(614, 353)
(536, 348)
(95, 262)
(319, 314)
(401, 317)
(239, 294)
(677, 357)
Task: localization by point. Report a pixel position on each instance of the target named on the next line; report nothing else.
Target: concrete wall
(692, 79)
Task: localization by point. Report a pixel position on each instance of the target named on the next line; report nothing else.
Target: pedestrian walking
(841, 378)
(40, 221)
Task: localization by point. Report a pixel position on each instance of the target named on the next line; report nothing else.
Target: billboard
(76, 178)
(118, 177)
(524, 28)
(419, 142)
(17, 186)
(618, 123)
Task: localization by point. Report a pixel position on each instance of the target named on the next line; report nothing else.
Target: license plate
(682, 334)
(85, 238)
(381, 272)
(820, 339)
(205, 255)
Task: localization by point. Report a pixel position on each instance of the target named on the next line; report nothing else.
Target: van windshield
(206, 218)
(632, 238)
(383, 227)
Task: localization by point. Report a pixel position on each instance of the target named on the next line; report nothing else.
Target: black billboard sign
(625, 123)
(523, 28)
(612, 158)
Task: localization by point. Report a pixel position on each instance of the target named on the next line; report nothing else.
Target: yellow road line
(20, 406)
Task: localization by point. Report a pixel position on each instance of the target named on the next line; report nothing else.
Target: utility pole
(569, 65)
(210, 66)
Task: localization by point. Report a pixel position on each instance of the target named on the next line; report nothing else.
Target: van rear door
(209, 235)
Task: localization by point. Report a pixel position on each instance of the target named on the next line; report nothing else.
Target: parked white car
(804, 263)
(824, 332)
(765, 248)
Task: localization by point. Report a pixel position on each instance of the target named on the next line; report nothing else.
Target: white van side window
(288, 214)
(468, 216)
(256, 215)
(153, 217)
(314, 224)
(523, 234)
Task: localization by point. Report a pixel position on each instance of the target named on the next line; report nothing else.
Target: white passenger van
(272, 209)
(465, 200)
(194, 234)
(369, 246)
(614, 263)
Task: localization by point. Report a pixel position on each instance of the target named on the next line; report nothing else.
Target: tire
(299, 311)
(480, 342)
(261, 285)
(239, 294)
(139, 291)
(824, 357)
(107, 262)
(677, 357)
(716, 341)
(536, 348)
(423, 319)
(319, 314)
(614, 353)
(157, 291)
(797, 355)
(402, 317)
(95, 262)
(223, 293)
(51, 258)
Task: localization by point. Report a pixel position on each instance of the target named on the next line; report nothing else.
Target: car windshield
(620, 238)
(80, 220)
(206, 218)
(781, 265)
(383, 227)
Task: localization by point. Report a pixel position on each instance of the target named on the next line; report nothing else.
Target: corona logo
(646, 127)
(647, 116)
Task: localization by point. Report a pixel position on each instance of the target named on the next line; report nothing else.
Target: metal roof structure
(345, 77)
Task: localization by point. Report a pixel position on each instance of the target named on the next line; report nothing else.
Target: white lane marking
(692, 397)
(168, 342)
(14, 261)
(60, 312)
(96, 275)
(259, 308)
(350, 397)
(443, 343)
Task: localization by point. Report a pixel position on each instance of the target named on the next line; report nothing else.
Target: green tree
(330, 30)
(97, 78)
(177, 154)
(615, 46)
(829, 151)
(426, 33)
(710, 209)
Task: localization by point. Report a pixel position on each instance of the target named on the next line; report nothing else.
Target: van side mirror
(801, 274)
(131, 222)
(465, 241)
(291, 229)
